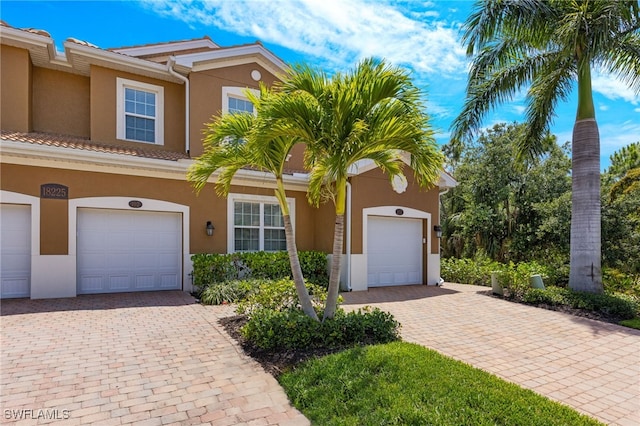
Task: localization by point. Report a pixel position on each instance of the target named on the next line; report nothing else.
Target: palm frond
(549, 86)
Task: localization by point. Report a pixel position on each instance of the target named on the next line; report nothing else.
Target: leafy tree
(547, 46)
(233, 142)
(504, 209)
(621, 210)
(623, 160)
(372, 112)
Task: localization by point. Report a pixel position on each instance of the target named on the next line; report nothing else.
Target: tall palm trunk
(334, 278)
(585, 270)
(296, 269)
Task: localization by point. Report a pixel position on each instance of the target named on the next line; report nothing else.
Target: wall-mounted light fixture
(210, 228)
(438, 230)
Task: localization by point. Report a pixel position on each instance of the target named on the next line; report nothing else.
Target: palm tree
(547, 46)
(373, 112)
(232, 143)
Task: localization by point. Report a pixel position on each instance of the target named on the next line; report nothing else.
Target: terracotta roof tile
(206, 37)
(71, 142)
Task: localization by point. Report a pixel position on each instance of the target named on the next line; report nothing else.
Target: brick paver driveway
(589, 365)
(144, 358)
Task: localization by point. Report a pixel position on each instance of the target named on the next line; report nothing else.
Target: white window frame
(238, 93)
(248, 198)
(121, 85)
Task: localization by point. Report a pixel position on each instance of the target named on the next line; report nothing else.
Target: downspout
(348, 236)
(440, 194)
(170, 63)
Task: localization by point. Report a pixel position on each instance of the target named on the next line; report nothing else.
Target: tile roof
(71, 142)
(206, 37)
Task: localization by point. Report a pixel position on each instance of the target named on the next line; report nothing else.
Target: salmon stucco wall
(103, 110)
(373, 189)
(206, 95)
(203, 207)
(15, 89)
(61, 103)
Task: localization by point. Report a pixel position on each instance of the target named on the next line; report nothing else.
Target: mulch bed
(275, 362)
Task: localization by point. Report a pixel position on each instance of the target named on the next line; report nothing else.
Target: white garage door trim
(392, 212)
(33, 205)
(122, 203)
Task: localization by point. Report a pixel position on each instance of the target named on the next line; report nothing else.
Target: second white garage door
(394, 251)
(122, 251)
(15, 250)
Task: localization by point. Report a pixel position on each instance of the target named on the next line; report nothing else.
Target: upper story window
(234, 100)
(239, 105)
(140, 109)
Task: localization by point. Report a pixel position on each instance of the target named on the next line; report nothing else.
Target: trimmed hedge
(292, 329)
(209, 269)
(618, 305)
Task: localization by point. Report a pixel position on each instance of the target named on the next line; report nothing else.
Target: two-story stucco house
(94, 148)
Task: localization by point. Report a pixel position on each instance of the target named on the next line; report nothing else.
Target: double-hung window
(140, 111)
(234, 100)
(237, 105)
(256, 224)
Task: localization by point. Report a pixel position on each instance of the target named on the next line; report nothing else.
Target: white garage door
(15, 249)
(394, 251)
(121, 251)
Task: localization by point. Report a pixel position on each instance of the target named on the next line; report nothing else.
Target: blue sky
(422, 36)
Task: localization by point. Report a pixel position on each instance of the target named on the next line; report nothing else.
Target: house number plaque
(54, 190)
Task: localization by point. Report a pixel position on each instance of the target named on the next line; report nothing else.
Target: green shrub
(280, 295)
(551, 296)
(617, 281)
(292, 329)
(616, 305)
(214, 268)
(516, 278)
(468, 271)
(228, 292)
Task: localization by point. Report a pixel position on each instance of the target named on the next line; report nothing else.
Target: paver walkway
(139, 358)
(589, 365)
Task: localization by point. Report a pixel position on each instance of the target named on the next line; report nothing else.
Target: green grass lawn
(632, 323)
(406, 384)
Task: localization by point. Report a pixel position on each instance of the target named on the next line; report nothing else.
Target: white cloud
(614, 136)
(613, 88)
(637, 110)
(603, 107)
(519, 109)
(340, 32)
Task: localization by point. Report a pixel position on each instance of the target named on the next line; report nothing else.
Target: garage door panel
(92, 283)
(169, 280)
(394, 251)
(145, 282)
(15, 250)
(120, 282)
(138, 248)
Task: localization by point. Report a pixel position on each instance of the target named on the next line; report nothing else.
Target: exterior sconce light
(438, 230)
(210, 228)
